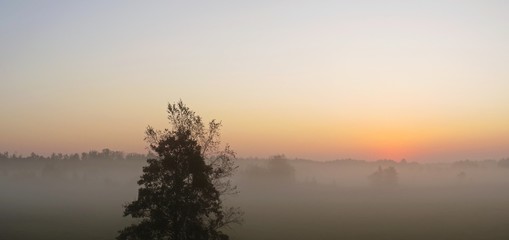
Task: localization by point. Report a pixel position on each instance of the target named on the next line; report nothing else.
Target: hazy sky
(421, 80)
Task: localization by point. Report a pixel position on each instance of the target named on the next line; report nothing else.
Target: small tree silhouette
(277, 173)
(181, 188)
(384, 177)
(280, 170)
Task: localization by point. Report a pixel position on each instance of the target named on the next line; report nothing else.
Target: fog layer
(64, 198)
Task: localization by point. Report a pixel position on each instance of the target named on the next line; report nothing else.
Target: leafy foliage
(181, 188)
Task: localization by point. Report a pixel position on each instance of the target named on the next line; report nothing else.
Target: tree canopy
(182, 187)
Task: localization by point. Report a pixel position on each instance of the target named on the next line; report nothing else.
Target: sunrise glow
(320, 81)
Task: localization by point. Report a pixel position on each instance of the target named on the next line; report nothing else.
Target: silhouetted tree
(279, 165)
(501, 163)
(277, 173)
(384, 177)
(465, 164)
(4, 155)
(181, 188)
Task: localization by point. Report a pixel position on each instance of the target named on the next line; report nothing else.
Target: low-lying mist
(82, 198)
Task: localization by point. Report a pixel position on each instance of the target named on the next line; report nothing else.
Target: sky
(323, 80)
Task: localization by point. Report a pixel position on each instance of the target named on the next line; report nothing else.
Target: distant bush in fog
(384, 177)
(504, 163)
(277, 170)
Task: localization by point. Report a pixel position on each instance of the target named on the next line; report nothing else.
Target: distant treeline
(388, 162)
(105, 154)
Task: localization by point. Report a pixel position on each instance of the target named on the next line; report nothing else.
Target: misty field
(281, 199)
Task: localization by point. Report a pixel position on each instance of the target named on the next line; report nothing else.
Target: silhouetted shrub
(384, 177)
(504, 163)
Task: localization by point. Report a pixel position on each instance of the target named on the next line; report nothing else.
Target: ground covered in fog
(282, 199)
